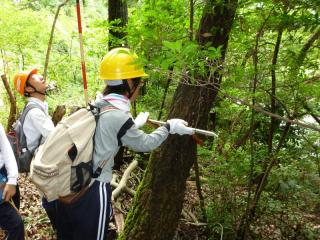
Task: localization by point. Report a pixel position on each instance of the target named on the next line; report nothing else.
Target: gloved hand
(141, 119)
(179, 126)
(99, 95)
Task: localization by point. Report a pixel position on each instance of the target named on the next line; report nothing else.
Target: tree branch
(303, 52)
(273, 89)
(124, 179)
(51, 38)
(13, 102)
(261, 110)
(242, 140)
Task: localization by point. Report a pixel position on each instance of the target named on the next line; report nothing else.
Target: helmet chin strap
(35, 91)
(132, 92)
(129, 89)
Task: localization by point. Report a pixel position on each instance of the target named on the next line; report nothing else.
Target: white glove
(99, 95)
(179, 126)
(141, 119)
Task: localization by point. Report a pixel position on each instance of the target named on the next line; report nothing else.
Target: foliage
(159, 32)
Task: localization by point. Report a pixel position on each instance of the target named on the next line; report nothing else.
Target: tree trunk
(273, 90)
(58, 114)
(165, 92)
(13, 102)
(191, 17)
(118, 11)
(158, 202)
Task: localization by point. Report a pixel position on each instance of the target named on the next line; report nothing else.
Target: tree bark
(13, 102)
(199, 190)
(158, 202)
(165, 91)
(118, 11)
(58, 114)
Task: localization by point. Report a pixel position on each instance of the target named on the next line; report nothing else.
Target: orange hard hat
(20, 80)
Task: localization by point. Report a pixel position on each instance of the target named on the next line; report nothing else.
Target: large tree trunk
(158, 202)
(118, 11)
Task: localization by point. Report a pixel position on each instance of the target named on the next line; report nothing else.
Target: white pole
(199, 131)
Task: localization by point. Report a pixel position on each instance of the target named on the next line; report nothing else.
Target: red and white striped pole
(83, 64)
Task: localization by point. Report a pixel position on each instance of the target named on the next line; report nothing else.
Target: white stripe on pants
(103, 209)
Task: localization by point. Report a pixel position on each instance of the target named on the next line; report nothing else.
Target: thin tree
(51, 38)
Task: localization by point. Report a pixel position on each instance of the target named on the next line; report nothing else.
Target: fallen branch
(197, 224)
(189, 216)
(122, 184)
(126, 188)
(118, 217)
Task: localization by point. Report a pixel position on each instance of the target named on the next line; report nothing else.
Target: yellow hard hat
(119, 64)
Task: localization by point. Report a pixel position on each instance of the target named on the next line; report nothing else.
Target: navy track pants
(11, 221)
(51, 210)
(88, 218)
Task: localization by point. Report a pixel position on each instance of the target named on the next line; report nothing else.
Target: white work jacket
(7, 158)
(38, 124)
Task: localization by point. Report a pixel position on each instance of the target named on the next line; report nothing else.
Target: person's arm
(10, 165)
(41, 122)
(139, 141)
(9, 158)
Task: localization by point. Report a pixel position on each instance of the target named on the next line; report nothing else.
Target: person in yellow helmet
(88, 218)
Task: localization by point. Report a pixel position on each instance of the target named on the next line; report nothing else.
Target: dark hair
(27, 94)
(121, 89)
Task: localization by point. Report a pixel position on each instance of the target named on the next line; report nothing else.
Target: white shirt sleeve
(8, 158)
(41, 122)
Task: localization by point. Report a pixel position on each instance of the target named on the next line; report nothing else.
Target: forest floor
(38, 227)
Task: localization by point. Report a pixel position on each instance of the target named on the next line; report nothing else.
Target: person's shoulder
(114, 113)
(36, 111)
(114, 117)
(36, 115)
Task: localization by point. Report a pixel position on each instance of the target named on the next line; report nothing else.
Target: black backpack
(18, 141)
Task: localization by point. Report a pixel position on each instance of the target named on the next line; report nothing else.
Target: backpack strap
(26, 110)
(23, 116)
(123, 130)
(101, 111)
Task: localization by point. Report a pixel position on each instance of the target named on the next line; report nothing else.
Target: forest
(247, 70)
